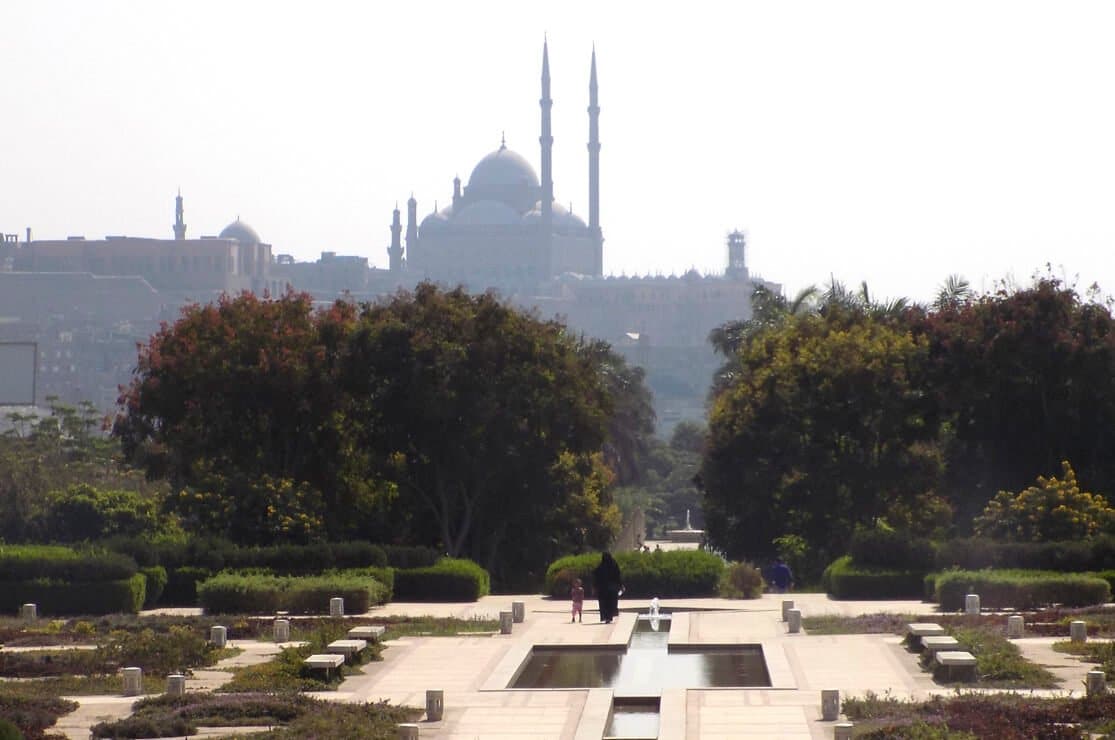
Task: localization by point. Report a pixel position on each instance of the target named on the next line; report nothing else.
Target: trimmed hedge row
(410, 556)
(84, 597)
(49, 562)
(238, 593)
(450, 579)
(1076, 556)
(216, 555)
(844, 579)
(891, 551)
(1018, 589)
(673, 573)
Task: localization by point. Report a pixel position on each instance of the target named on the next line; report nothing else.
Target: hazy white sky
(892, 142)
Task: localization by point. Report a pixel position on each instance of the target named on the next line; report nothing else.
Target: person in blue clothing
(781, 577)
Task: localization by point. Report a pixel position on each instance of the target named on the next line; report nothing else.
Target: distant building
(87, 302)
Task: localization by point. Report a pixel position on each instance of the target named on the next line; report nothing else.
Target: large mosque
(504, 229)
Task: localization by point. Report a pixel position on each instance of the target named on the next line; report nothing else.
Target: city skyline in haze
(891, 143)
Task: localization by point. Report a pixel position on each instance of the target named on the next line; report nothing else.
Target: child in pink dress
(578, 594)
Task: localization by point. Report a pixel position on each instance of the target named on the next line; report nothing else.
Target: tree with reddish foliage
(1022, 381)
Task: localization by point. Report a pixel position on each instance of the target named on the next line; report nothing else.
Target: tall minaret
(547, 142)
(412, 226)
(395, 251)
(594, 169)
(179, 224)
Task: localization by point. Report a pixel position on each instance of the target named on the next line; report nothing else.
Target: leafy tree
(1049, 511)
(688, 436)
(825, 427)
(487, 420)
(83, 512)
(1021, 380)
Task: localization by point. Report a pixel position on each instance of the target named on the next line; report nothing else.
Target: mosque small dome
(241, 232)
(487, 213)
(502, 168)
(436, 221)
(564, 221)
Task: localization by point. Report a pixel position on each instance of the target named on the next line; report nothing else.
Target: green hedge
(156, 584)
(450, 579)
(239, 593)
(69, 598)
(216, 554)
(1076, 556)
(181, 585)
(53, 563)
(1019, 589)
(891, 551)
(844, 579)
(662, 573)
(410, 556)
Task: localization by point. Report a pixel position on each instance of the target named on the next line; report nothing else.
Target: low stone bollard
(29, 612)
(336, 607)
(408, 731)
(971, 604)
(787, 605)
(830, 705)
(1078, 631)
(1096, 683)
(842, 731)
(435, 705)
(281, 630)
(505, 620)
(794, 621)
(1015, 626)
(175, 684)
(218, 635)
(133, 681)
(518, 611)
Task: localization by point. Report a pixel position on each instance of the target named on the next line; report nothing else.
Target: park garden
(271, 455)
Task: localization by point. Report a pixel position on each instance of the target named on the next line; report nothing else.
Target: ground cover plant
(286, 672)
(1008, 716)
(1043, 622)
(999, 662)
(1102, 653)
(31, 714)
(290, 715)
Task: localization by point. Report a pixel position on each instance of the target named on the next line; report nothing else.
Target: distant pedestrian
(578, 594)
(608, 583)
(781, 577)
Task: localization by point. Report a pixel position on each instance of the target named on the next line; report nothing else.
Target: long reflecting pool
(646, 663)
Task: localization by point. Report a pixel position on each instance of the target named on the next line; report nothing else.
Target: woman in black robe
(608, 582)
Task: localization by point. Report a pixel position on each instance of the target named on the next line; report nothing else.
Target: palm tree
(953, 293)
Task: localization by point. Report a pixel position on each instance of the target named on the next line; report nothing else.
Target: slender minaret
(412, 226)
(456, 192)
(547, 142)
(395, 251)
(179, 224)
(594, 169)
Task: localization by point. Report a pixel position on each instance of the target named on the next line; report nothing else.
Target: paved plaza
(474, 671)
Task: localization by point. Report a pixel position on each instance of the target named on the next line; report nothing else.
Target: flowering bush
(1051, 510)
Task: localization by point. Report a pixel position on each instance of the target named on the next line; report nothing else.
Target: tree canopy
(431, 417)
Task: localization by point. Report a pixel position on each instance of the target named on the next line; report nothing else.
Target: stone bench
(956, 665)
(347, 649)
(369, 632)
(917, 630)
(933, 644)
(324, 662)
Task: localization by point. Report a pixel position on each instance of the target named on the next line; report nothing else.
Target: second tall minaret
(594, 170)
(547, 142)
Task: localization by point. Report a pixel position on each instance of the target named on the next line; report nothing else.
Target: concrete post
(1015, 625)
(971, 604)
(435, 705)
(830, 705)
(1078, 631)
(336, 607)
(133, 681)
(408, 731)
(794, 621)
(787, 605)
(1097, 683)
(281, 630)
(842, 731)
(218, 635)
(505, 619)
(29, 612)
(175, 684)
(518, 611)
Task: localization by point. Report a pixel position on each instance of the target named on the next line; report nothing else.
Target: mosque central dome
(241, 232)
(502, 168)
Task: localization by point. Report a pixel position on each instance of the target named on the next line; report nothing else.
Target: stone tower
(395, 251)
(594, 168)
(547, 142)
(179, 224)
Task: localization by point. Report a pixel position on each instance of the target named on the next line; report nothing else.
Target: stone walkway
(474, 671)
